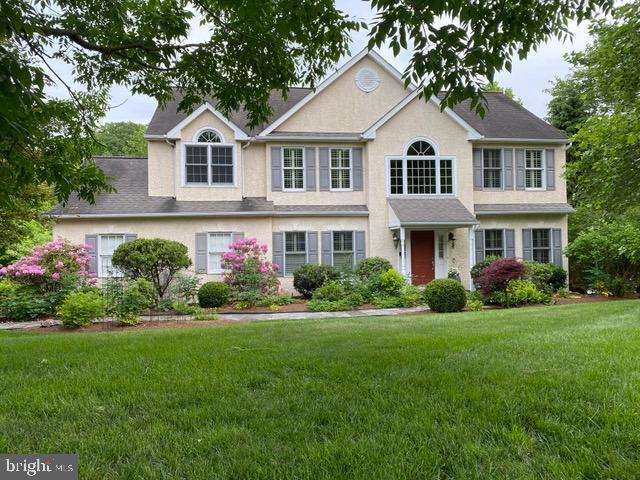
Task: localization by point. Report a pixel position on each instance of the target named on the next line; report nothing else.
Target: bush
(409, 296)
(183, 308)
(391, 283)
(213, 294)
(474, 305)
(78, 309)
(477, 269)
(155, 260)
(135, 298)
(498, 274)
(184, 287)
(275, 301)
(20, 302)
(308, 278)
(331, 291)
(348, 302)
(372, 266)
(520, 292)
(445, 295)
(546, 276)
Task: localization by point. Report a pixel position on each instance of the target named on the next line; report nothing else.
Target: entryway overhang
(429, 212)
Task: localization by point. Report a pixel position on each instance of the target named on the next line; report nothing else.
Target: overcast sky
(529, 78)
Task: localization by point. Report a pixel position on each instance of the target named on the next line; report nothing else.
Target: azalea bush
(248, 272)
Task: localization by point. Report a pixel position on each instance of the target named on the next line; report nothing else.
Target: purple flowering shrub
(248, 272)
(51, 266)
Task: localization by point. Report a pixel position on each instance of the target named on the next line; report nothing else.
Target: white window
(217, 244)
(534, 169)
(421, 172)
(541, 240)
(107, 244)
(343, 252)
(493, 243)
(492, 168)
(295, 251)
(340, 169)
(209, 161)
(293, 168)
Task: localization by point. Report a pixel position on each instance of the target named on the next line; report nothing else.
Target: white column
(472, 254)
(403, 253)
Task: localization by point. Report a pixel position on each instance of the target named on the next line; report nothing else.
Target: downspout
(244, 147)
(173, 166)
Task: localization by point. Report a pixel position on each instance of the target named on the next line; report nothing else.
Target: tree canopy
(121, 138)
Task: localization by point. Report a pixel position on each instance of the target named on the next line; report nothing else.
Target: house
(359, 167)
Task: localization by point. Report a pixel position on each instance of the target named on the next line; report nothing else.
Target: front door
(422, 257)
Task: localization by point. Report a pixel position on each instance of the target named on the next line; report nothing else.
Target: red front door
(422, 257)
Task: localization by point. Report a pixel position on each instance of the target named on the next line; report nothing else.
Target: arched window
(421, 148)
(209, 136)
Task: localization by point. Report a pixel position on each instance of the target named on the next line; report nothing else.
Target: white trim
(543, 160)
(310, 138)
(421, 139)
(375, 56)
(204, 129)
(521, 140)
(302, 213)
(370, 133)
(350, 189)
(284, 250)
(209, 184)
(524, 212)
(175, 131)
(502, 170)
(437, 158)
(304, 169)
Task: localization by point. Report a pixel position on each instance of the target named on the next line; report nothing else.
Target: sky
(529, 78)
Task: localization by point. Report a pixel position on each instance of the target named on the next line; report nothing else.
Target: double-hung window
(541, 243)
(421, 172)
(492, 168)
(534, 169)
(494, 243)
(343, 253)
(293, 168)
(217, 244)
(340, 169)
(208, 161)
(107, 244)
(295, 251)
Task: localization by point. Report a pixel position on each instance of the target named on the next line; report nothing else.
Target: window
(534, 169)
(492, 168)
(396, 176)
(293, 168)
(421, 148)
(541, 242)
(295, 251)
(208, 162)
(421, 176)
(494, 243)
(340, 169)
(107, 244)
(343, 250)
(218, 244)
(446, 176)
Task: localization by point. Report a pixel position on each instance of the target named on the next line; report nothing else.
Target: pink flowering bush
(51, 266)
(248, 272)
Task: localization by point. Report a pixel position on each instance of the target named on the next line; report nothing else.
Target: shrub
(155, 260)
(248, 272)
(134, 298)
(184, 287)
(497, 275)
(474, 305)
(546, 276)
(275, 301)
(445, 295)
(331, 291)
(21, 302)
(618, 286)
(347, 302)
(308, 278)
(520, 292)
(183, 308)
(409, 296)
(477, 269)
(213, 294)
(372, 266)
(78, 309)
(391, 283)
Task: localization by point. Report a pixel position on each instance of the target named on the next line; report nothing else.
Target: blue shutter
(325, 172)
(312, 247)
(276, 169)
(310, 168)
(130, 237)
(556, 239)
(235, 236)
(327, 248)
(201, 252)
(360, 245)
(551, 169)
(509, 243)
(479, 235)
(507, 166)
(91, 242)
(527, 247)
(477, 169)
(519, 169)
(357, 169)
(277, 249)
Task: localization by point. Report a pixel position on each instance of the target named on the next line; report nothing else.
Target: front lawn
(551, 392)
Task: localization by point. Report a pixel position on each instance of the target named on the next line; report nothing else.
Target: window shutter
(325, 173)
(556, 239)
(479, 245)
(276, 169)
(277, 249)
(507, 167)
(360, 246)
(519, 169)
(357, 169)
(130, 237)
(327, 247)
(310, 168)
(527, 248)
(312, 247)
(201, 252)
(477, 169)
(236, 236)
(551, 168)
(509, 243)
(91, 241)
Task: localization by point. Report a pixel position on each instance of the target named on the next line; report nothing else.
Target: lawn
(551, 392)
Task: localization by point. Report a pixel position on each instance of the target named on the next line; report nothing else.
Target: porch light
(452, 240)
(396, 239)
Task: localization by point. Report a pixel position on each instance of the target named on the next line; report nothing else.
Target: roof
(520, 208)
(431, 211)
(132, 199)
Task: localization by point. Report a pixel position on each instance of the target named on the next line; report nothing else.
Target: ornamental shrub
(546, 276)
(136, 297)
(391, 283)
(184, 287)
(496, 276)
(477, 269)
(445, 295)
(79, 308)
(213, 294)
(248, 272)
(372, 266)
(331, 291)
(308, 278)
(153, 259)
(520, 292)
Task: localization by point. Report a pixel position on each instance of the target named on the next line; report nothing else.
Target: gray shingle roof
(131, 198)
(431, 211)
(516, 208)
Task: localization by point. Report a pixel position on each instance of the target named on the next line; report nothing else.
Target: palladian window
(421, 171)
(208, 161)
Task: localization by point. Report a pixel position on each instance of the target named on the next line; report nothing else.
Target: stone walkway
(244, 317)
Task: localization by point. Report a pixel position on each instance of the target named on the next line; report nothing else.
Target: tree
(497, 88)
(121, 138)
(249, 49)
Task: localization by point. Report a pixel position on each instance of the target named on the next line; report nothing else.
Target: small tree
(496, 277)
(156, 260)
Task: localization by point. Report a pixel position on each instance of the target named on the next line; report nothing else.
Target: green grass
(549, 392)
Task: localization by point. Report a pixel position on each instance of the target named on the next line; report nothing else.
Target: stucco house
(359, 167)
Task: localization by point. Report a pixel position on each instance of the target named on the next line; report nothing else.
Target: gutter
(562, 141)
(265, 214)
